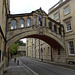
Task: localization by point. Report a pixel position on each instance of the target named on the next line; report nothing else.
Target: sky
(27, 6)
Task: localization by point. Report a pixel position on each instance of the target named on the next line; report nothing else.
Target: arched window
(21, 23)
(45, 22)
(55, 28)
(13, 24)
(50, 25)
(40, 20)
(28, 22)
(60, 30)
(34, 20)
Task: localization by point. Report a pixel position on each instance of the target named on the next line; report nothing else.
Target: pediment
(40, 11)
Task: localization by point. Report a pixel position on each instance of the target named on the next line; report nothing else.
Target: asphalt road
(39, 68)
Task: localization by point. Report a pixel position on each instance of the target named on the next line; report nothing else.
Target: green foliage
(14, 48)
(21, 43)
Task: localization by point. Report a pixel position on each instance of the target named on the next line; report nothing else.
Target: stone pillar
(52, 26)
(31, 20)
(37, 20)
(25, 21)
(47, 23)
(17, 24)
(58, 29)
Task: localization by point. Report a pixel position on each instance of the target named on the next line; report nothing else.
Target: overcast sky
(27, 6)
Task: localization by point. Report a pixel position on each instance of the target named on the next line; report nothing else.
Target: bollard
(17, 62)
(14, 59)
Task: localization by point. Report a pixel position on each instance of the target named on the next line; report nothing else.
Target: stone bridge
(36, 24)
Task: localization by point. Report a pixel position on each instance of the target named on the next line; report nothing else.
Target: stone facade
(3, 14)
(39, 49)
(64, 13)
(21, 51)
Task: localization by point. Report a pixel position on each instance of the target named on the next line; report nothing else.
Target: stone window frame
(68, 28)
(71, 47)
(65, 8)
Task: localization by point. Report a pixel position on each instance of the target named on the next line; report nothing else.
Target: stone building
(38, 49)
(62, 12)
(21, 51)
(4, 9)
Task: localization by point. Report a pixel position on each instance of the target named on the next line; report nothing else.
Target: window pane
(21, 23)
(68, 26)
(45, 22)
(55, 28)
(60, 30)
(35, 21)
(50, 25)
(71, 47)
(56, 16)
(28, 22)
(66, 10)
(13, 24)
(40, 20)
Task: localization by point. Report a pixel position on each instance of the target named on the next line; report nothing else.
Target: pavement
(16, 68)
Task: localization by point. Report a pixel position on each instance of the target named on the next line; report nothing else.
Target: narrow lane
(46, 69)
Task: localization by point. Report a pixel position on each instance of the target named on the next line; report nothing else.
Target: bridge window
(50, 25)
(60, 30)
(45, 22)
(55, 28)
(34, 20)
(13, 24)
(71, 47)
(28, 22)
(40, 20)
(21, 23)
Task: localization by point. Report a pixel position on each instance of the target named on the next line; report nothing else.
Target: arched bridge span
(36, 24)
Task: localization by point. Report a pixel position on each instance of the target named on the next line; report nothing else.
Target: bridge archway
(46, 30)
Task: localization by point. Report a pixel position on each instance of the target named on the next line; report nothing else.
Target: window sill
(71, 54)
(68, 31)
